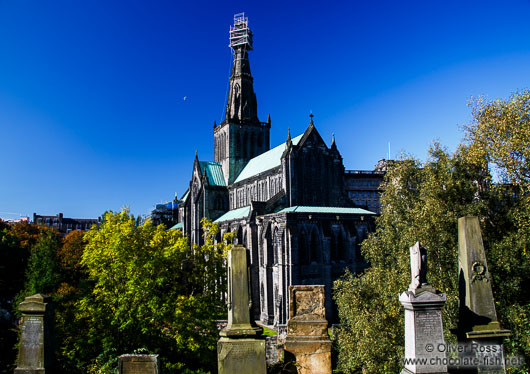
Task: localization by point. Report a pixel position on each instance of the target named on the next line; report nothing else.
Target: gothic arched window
(253, 150)
(246, 153)
(314, 247)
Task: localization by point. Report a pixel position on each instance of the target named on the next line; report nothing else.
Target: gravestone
(241, 349)
(478, 325)
(139, 364)
(424, 339)
(307, 330)
(35, 353)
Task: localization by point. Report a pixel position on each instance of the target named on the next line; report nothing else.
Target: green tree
(20, 243)
(42, 273)
(73, 286)
(16, 241)
(423, 203)
(499, 135)
(148, 290)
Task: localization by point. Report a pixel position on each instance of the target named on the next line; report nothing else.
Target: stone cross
(35, 353)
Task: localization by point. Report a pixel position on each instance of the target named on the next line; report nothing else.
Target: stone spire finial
(269, 119)
(214, 124)
(333, 139)
(288, 133)
(311, 120)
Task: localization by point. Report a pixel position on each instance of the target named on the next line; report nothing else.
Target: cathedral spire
(241, 106)
(333, 144)
(240, 136)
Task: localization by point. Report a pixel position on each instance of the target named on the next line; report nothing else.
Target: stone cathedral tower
(241, 136)
(287, 205)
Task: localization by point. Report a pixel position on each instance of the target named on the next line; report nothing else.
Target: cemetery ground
(124, 288)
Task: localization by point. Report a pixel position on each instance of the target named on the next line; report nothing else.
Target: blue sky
(92, 108)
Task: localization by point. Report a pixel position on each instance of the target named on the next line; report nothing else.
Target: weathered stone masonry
(287, 205)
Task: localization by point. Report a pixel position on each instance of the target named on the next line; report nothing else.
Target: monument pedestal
(35, 354)
(313, 356)
(485, 347)
(307, 330)
(424, 339)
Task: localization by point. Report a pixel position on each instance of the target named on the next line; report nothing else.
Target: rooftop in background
(177, 226)
(325, 209)
(365, 172)
(63, 224)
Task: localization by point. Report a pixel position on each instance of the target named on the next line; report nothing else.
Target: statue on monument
(423, 319)
(418, 267)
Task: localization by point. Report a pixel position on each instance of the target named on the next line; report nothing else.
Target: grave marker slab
(138, 364)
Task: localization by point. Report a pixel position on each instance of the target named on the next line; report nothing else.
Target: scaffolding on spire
(240, 34)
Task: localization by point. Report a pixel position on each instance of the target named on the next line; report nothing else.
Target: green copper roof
(325, 209)
(177, 226)
(265, 161)
(234, 214)
(214, 172)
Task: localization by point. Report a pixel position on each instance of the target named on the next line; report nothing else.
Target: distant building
(364, 186)
(65, 225)
(18, 220)
(165, 213)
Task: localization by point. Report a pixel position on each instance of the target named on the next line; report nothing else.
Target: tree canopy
(122, 287)
(422, 202)
(146, 290)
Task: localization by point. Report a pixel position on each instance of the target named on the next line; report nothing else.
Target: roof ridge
(257, 169)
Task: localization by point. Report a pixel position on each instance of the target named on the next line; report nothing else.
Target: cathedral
(288, 204)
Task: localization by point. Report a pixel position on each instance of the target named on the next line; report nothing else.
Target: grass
(267, 331)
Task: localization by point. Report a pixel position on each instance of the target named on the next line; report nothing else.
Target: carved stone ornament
(479, 272)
